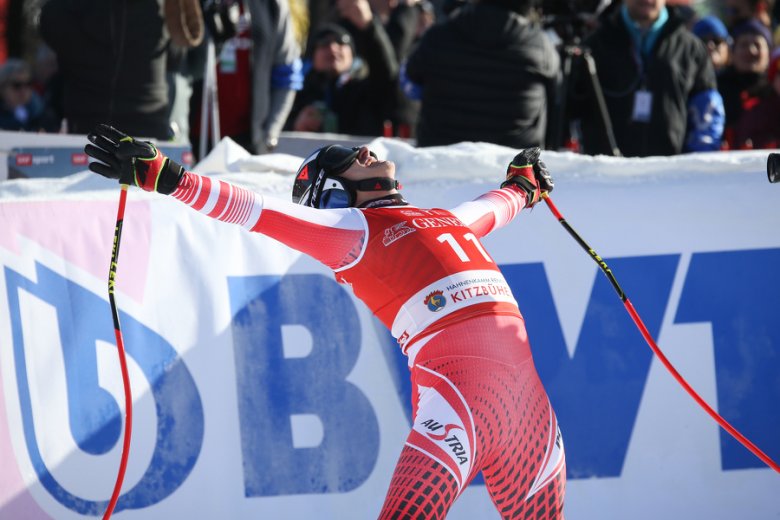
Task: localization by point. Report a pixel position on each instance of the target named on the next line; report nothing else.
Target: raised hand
(529, 173)
(140, 163)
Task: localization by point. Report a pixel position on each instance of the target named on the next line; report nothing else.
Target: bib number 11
(458, 249)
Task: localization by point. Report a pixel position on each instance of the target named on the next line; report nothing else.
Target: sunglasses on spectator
(333, 38)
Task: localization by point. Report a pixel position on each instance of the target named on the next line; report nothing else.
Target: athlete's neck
(394, 199)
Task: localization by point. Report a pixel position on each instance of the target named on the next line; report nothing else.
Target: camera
(572, 20)
(221, 18)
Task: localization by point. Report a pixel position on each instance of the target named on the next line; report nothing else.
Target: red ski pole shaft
(121, 352)
(651, 342)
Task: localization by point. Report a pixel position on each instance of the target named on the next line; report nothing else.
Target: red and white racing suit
(478, 404)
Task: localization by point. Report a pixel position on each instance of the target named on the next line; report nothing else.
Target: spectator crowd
(627, 77)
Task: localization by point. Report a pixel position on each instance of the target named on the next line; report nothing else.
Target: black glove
(530, 174)
(132, 162)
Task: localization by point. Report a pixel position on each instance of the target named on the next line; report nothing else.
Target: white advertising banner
(264, 389)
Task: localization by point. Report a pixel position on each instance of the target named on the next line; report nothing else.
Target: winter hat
(335, 31)
(711, 27)
(752, 26)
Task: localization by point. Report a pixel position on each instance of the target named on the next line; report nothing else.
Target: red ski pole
(651, 342)
(121, 352)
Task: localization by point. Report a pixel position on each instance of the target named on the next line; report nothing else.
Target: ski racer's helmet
(319, 184)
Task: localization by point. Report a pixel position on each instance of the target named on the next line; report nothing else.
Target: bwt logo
(80, 321)
(596, 392)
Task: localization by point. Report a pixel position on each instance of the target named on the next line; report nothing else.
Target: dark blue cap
(710, 26)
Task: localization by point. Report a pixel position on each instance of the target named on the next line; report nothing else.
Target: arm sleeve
(706, 121)
(491, 210)
(410, 89)
(334, 237)
(276, 69)
(706, 113)
(281, 103)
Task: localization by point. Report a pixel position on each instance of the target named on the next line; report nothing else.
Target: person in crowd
(21, 108)
(340, 93)
(743, 81)
(759, 126)
(486, 73)
(658, 83)
(405, 22)
(479, 405)
(712, 31)
(738, 11)
(259, 72)
(19, 37)
(112, 57)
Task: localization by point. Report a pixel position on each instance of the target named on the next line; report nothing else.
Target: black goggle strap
(374, 184)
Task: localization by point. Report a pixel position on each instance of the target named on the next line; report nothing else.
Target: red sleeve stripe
(192, 192)
(254, 211)
(188, 187)
(502, 209)
(222, 198)
(484, 224)
(233, 203)
(240, 206)
(508, 209)
(203, 194)
(219, 200)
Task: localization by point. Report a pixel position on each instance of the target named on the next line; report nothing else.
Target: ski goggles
(335, 194)
(326, 189)
(336, 159)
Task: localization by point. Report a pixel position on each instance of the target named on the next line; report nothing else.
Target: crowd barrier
(263, 389)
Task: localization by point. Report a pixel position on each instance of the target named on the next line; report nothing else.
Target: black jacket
(358, 101)
(678, 67)
(486, 74)
(739, 87)
(112, 54)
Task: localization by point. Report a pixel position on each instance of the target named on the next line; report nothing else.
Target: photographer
(487, 73)
(658, 83)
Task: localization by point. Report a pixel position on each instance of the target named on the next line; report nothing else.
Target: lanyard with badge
(643, 98)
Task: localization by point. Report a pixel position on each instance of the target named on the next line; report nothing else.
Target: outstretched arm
(334, 237)
(491, 210)
(526, 179)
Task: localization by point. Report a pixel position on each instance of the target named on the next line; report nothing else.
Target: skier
(478, 404)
